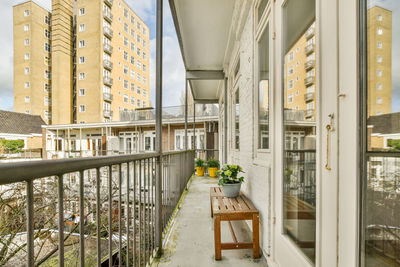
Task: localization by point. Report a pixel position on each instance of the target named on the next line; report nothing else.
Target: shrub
(199, 162)
(12, 146)
(229, 174)
(213, 163)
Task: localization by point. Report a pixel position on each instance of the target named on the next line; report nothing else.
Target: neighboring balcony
(310, 49)
(108, 2)
(108, 97)
(310, 33)
(309, 97)
(108, 16)
(309, 64)
(309, 113)
(309, 81)
(108, 48)
(108, 32)
(107, 64)
(107, 113)
(108, 81)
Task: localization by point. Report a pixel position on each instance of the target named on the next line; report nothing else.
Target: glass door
(380, 179)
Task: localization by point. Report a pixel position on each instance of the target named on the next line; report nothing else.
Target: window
(144, 31)
(138, 103)
(47, 101)
(27, 99)
(47, 47)
(138, 77)
(27, 70)
(144, 93)
(236, 119)
(380, 31)
(132, 74)
(132, 47)
(81, 11)
(26, 13)
(299, 142)
(125, 13)
(126, 55)
(132, 19)
(291, 83)
(47, 61)
(144, 67)
(132, 60)
(126, 99)
(26, 56)
(47, 20)
(379, 100)
(26, 27)
(82, 43)
(379, 86)
(82, 108)
(126, 70)
(47, 115)
(144, 55)
(291, 56)
(82, 27)
(132, 33)
(126, 27)
(27, 85)
(26, 41)
(27, 112)
(81, 60)
(47, 88)
(138, 25)
(47, 74)
(82, 92)
(263, 89)
(82, 76)
(379, 59)
(139, 65)
(138, 90)
(380, 45)
(379, 18)
(126, 86)
(144, 80)
(138, 38)
(138, 51)
(379, 73)
(125, 41)
(132, 101)
(132, 87)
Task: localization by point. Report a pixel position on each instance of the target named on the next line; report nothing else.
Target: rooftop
(20, 123)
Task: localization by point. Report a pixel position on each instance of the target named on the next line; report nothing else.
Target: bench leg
(256, 236)
(217, 237)
(211, 205)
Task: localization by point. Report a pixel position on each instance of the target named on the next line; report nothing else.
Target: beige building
(99, 58)
(300, 79)
(379, 30)
(32, 38)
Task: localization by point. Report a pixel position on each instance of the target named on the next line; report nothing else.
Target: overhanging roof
(203, 28)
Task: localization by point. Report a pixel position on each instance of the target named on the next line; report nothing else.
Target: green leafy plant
(12, 146)
(199, 163)
(213, 163)
(229, 174)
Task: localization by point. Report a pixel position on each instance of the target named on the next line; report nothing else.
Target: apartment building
(32, 63)
(379, 60)
(99, 58)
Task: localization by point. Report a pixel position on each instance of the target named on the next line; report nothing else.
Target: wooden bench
(233, 209)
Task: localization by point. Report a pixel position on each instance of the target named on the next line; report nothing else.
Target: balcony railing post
(159, 48)
(225, 144)
(30, 224)
(98, 219)
(60, 220)
(110, 231)
(81, 220)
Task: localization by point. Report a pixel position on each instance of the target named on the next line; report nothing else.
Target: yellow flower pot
(212, 171)
(200, 171)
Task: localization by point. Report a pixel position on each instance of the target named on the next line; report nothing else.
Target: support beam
(204, 75)
(194, 126)
(158, 197)
(186, 114)
(225, 121)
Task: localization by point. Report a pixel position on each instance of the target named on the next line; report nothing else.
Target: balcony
(309, 80)
(108, 113)
(48, 230)
(108, 97)
(108, 2)
(108, 32)
(107, 15)
(107, 64)
(310, 33)
(309, 64)
(108, 81)
(309, 49)
(108, 48)
(309, 113)
(309, 97)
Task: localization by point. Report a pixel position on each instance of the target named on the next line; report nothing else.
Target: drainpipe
(194, 125)
(186, 115)
(159, 47)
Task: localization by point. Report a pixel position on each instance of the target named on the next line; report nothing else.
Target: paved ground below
(191, 240)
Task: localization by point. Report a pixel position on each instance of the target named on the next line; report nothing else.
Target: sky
(173, 68)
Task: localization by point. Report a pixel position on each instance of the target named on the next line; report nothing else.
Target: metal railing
(108, 81)
(309, 80)
(108, 97)
(107, 15)
(108, 31)
(310, 33)
(107, 113)
(115, 221)
(309, 64)
(309, 49)
(206, 154)
(109, 2)
(108, 48)
(308, 97)
(107, 64)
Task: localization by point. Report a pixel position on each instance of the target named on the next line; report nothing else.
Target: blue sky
(173, 73)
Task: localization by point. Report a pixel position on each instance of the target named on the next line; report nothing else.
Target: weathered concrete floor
(191, 240)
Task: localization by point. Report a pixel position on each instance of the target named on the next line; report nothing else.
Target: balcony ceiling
(203, 29)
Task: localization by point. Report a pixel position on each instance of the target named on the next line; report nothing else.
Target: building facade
(99, 59)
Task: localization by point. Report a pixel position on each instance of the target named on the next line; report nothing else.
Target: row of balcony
(309, 97)
(108, 32)
(109, 2)
(309, 80)
(310, 49)
(309, 64)
(108, 64)
(108, 81)
(310, 33)
(107, 15)
(108, 48)
(108, 97)
(107, 113)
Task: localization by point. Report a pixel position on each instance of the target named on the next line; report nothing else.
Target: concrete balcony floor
(191, 238)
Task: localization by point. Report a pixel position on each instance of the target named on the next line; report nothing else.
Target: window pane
(299, 174)
(263, 89)
(237, 129)
(381, 182)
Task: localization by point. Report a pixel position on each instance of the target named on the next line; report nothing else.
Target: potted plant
(213, 165)
(199, 167)
(229, 180)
